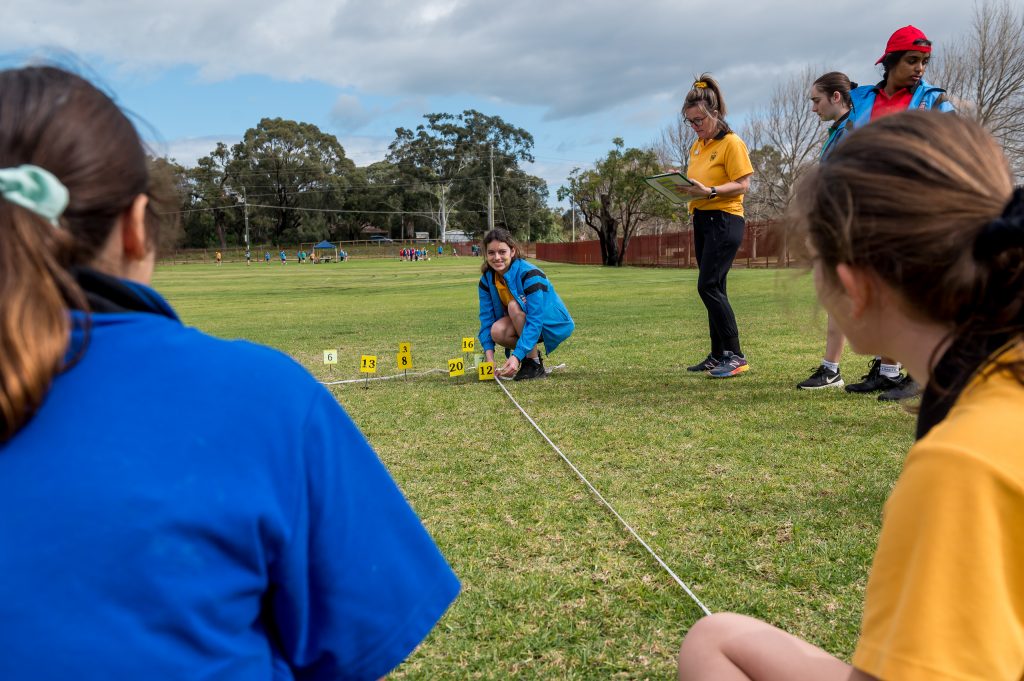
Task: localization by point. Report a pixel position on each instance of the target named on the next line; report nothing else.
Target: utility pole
(490, 196)
(245, 203)
(573, 222)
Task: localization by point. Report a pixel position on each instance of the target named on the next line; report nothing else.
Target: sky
(573, 74)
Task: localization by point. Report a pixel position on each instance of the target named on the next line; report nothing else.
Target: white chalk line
(407, 375)
(385, 378)
(607, 505)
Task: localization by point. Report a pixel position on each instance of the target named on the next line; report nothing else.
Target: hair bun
(853, 86)
(1003, 233)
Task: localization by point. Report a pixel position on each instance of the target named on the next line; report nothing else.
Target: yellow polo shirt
(715, 162)
(503, 293)
(945, 598)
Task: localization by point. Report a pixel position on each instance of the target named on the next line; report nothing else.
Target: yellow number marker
(368, 365)
(330, 356)
(456, 367)
(404, 361)
(485, 371)
(468, 344)
(405, 348)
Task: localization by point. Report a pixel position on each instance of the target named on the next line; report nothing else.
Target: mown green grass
(764, 499)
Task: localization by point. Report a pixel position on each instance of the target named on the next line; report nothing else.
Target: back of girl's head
(706, 94)
(919, 198)
(504, 236)
(833, 82)
(59, 122)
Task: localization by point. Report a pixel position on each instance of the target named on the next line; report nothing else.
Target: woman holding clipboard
(720, 170)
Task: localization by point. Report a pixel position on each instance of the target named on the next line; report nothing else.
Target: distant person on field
(284, 257)
(143, 539)
(266, 257)
(936, 283)
(248, 257)
(519, 309)
(902, 88)
(218, 256)
(720, 170)
(830, 99)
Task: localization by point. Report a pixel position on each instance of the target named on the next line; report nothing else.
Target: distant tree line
(289, 181)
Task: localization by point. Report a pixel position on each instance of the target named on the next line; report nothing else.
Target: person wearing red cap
(902, 88)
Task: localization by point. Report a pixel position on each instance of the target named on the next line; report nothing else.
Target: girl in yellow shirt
(917, 243)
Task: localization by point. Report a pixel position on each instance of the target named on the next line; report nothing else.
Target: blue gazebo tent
(326, 246)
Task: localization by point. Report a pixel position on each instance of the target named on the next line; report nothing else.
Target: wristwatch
(713, 194)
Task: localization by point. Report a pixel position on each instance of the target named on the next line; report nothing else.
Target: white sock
(831, 366)
(890, 370)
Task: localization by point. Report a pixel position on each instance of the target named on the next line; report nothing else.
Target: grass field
(764, 499)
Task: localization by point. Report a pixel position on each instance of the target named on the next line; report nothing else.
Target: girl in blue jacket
(158, 519)
(518, 308)
(902, 88)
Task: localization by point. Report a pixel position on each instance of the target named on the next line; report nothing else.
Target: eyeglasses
(696, 122)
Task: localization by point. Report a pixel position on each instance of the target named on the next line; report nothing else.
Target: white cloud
(188, 150)
(349, 114)
(364, 150)
(570, 59)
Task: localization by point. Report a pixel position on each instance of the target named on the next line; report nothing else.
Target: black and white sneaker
(530, 368)
(706, 364)
(873, 381)
(906, 389)
(823, 377)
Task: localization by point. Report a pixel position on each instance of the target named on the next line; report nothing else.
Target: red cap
(907, 38)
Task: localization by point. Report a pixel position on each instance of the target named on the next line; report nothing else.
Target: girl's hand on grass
(510, 367)
(488, 355)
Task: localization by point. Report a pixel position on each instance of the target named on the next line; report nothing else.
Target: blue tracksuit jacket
(547, 319)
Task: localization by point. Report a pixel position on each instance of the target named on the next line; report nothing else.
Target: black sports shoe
(873, 381)
(706, 364)
(823, 377)
(530, 368)
(905, 389)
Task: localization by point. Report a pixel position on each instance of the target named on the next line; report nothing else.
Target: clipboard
(666, 183)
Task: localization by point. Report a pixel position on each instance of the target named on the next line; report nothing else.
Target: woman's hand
(697, 189)
(510, 367)
(488, 355)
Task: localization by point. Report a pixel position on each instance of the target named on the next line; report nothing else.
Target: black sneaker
(873, 381)
(530, 368)
(905, 389)
(823, 377)
(706, 364)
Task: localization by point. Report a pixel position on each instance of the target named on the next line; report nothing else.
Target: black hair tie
(1003, 233)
